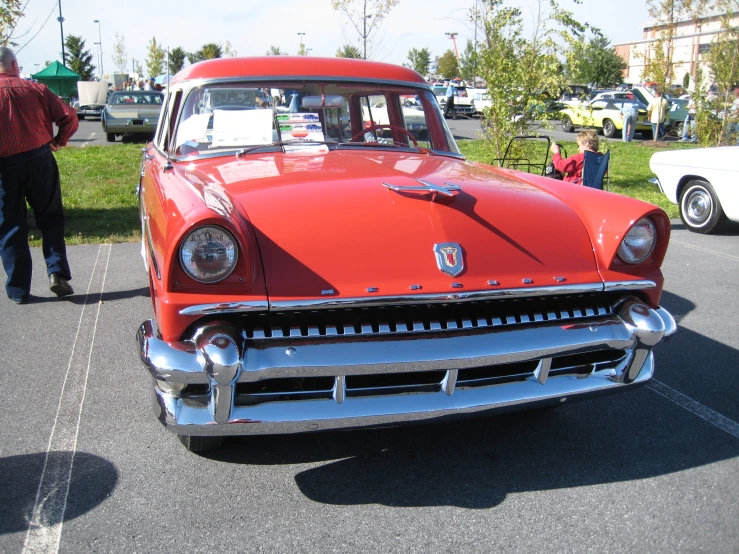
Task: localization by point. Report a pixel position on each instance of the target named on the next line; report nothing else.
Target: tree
(79, 60)
(302, 50)
(208, 51)
(120, 57)
(349, 51)
(275, 51)
(419, 60)
(228, 50)
(596, 62)
(10, 12)
(522, 73)
(447, 65)
(155, 58)
(468, 63)
(176, 59)
(366, 16)
(717, 118)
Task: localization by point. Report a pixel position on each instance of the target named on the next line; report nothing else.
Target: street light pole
(100, 39)
(301, 35)
(60, 19)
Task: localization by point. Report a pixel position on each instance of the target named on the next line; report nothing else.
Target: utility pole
(60, 19)
(100, 38)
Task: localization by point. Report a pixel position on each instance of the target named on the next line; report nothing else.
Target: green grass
(99, 182)
(98, 191)
(629, 167)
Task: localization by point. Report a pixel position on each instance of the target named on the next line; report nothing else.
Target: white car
(704, 182)
(481, 99)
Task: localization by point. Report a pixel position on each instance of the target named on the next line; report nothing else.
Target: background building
(692, 40)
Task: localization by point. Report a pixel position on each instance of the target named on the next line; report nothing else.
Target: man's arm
(65, 118)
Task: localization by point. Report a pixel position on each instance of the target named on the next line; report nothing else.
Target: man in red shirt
(571, 167)
(28, 172)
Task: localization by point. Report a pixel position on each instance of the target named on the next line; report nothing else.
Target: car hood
(326, 222)
(134, 111)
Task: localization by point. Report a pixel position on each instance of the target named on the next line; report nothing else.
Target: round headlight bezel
(220, 276)
(625, 251)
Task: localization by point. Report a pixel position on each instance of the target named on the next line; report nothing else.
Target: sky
(253, 26)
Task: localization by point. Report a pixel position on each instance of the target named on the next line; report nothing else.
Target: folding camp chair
(524, 164)
(595, 170)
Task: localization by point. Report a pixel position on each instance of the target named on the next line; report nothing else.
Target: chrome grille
(392, 320)
(419, 382)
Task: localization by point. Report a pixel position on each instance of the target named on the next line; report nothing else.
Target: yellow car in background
(604, 114)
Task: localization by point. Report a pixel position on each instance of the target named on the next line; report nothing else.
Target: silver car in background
(131, 111)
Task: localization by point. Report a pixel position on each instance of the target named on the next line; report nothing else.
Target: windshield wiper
(282, 143)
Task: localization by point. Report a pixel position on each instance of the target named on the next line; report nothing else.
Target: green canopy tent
(59, 79)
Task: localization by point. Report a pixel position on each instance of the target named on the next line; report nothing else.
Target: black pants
(449, 106)
(31, 176)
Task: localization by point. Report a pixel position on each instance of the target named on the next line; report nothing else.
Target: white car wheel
(700, 208)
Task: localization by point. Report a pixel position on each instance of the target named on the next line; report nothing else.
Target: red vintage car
(319, 261)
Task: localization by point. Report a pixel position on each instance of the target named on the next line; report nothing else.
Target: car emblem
(449, 258)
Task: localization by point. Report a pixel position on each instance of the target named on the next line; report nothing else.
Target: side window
(171, 108)
(338, 123)
(374, 113)
(163, 119)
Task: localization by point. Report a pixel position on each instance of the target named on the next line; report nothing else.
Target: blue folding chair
(595, 169)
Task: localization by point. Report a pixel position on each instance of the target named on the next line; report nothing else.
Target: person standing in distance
(629, 114)
(28, 172)
(451, 92)
(657, 113)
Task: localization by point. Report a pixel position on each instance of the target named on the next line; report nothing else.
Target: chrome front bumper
(218, 359)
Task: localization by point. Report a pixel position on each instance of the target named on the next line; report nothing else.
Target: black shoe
(20, 300)
(59, 285)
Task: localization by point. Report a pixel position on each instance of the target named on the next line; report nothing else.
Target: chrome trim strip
(288, 305)
(226, 308)
(628, 285)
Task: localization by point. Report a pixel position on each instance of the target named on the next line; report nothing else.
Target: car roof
(297, 67)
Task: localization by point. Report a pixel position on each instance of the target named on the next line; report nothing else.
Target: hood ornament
(446, 189)
(449, 258)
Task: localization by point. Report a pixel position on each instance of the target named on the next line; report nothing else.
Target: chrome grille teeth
(413, 319)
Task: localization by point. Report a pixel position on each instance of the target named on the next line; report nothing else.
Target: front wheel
(609, 129)
(200, 444)
(567, 126)
(700, 209)
(110, 137)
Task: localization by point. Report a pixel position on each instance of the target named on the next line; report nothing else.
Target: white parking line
(45, 527)
(92, 136)
(707, 250)
(703, 412)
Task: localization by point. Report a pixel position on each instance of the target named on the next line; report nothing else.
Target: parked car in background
(93, 95)
(314, 279)
(463, 104)
(481, 100)
(678, 108)
(703, 182)
(604, 115)
(131, 111)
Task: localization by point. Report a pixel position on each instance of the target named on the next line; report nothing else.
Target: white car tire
(700, 208)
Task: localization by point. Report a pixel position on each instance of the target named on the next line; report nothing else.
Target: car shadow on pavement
(82, 298)
(476, 463)
(93, 480)
(728, 229)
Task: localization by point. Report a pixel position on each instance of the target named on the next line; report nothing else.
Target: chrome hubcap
(698, 207)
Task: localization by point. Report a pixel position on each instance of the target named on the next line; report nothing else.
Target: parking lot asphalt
(85, 466)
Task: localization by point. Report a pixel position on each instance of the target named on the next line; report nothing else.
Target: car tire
(567, 125)
(700, 209)
(110, 137)
(200, 444)
(80, 117)
(609, 129)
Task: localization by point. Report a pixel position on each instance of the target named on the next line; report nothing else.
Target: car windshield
(249, 117)
(152, 98)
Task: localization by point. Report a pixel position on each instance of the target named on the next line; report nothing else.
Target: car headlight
(209, 254)
(639, 242)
